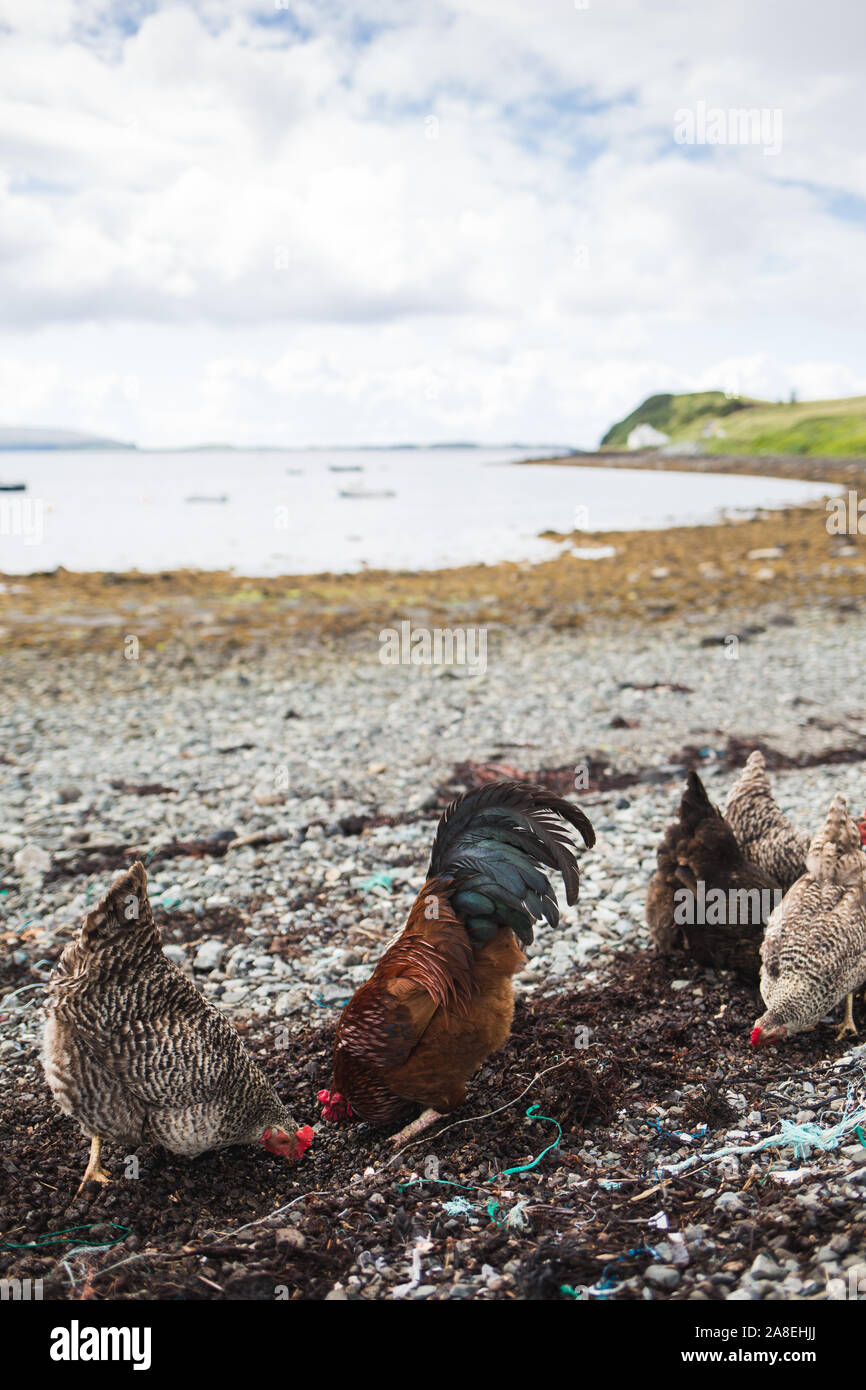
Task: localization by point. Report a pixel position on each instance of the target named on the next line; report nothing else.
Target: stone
(662, 1276)
(209, 954)
(289, 1002)
(289, 1238)
(729, 1202)
(32, 860)
(763, 1267)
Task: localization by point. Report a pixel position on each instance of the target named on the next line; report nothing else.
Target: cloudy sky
(300, 221)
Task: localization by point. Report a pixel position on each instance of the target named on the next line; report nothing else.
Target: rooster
(135, 1054)
(814, 951)
(440, 1001)
(702, 873)
(765, 835)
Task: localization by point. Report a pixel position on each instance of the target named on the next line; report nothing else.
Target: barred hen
(440, 1001)
(135, 1054)
(814, 951)
(705, 896)
(764, 833)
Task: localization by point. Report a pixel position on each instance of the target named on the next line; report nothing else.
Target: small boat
(196, 497)
(346, 467)
(366, 492)
(13, 487)
(295, 472)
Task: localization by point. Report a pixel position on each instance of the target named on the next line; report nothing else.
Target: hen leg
(411, 1131)
(847, 1025)
(95, 1171)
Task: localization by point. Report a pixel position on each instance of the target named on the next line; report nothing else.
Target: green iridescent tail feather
(495, 843)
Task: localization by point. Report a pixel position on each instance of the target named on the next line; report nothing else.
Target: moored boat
(366, 492)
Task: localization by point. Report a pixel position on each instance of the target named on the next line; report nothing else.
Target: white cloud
(390, 221)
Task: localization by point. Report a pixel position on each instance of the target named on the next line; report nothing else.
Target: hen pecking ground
(661, 1053)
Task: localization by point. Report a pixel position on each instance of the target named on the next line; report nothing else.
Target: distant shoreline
(22, 446)
(846, 472)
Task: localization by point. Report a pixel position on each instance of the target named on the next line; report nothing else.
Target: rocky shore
(284, 798)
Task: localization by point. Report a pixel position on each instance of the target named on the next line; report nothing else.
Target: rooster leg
(424, 1121)
(847, 1025)
(95, 1171)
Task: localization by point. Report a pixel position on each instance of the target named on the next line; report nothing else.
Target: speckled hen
(764, 834)
(814, 950)
(135, 1054)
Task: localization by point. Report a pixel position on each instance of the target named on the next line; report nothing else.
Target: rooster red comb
(334, 1106)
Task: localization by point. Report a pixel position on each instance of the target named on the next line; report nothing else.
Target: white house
(646, 437)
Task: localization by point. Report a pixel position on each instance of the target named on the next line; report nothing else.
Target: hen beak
(290, 1146)
(762, 1037)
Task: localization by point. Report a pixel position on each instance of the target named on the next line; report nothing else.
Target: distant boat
(346, 467)
(366, 492)
(13, 487)
(203, 498)
(295, 472)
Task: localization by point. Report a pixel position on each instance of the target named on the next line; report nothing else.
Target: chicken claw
(411, 1131)
(847, 1024)
(94, 1171)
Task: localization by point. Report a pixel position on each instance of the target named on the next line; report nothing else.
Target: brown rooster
(705, 895)
(440, 1001)
(135, 1054)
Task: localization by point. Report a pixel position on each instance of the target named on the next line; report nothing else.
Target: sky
(410, 220)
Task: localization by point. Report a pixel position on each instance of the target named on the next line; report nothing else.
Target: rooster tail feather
(494, 844)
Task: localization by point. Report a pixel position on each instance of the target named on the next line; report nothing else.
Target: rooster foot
(95, 1171)
(424, 1121)
(847, 1024)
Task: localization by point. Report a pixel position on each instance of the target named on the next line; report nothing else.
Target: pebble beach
(284, 798)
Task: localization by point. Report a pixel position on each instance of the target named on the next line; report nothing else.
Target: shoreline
(833, 470)
(780, 558)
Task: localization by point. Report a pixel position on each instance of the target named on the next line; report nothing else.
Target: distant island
(18, 438)
(715, 422)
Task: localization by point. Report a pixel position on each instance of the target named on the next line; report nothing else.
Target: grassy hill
(739, 425)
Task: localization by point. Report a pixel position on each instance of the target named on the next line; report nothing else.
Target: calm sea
(284, 512)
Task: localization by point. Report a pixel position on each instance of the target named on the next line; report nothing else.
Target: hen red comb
(305, 1137)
